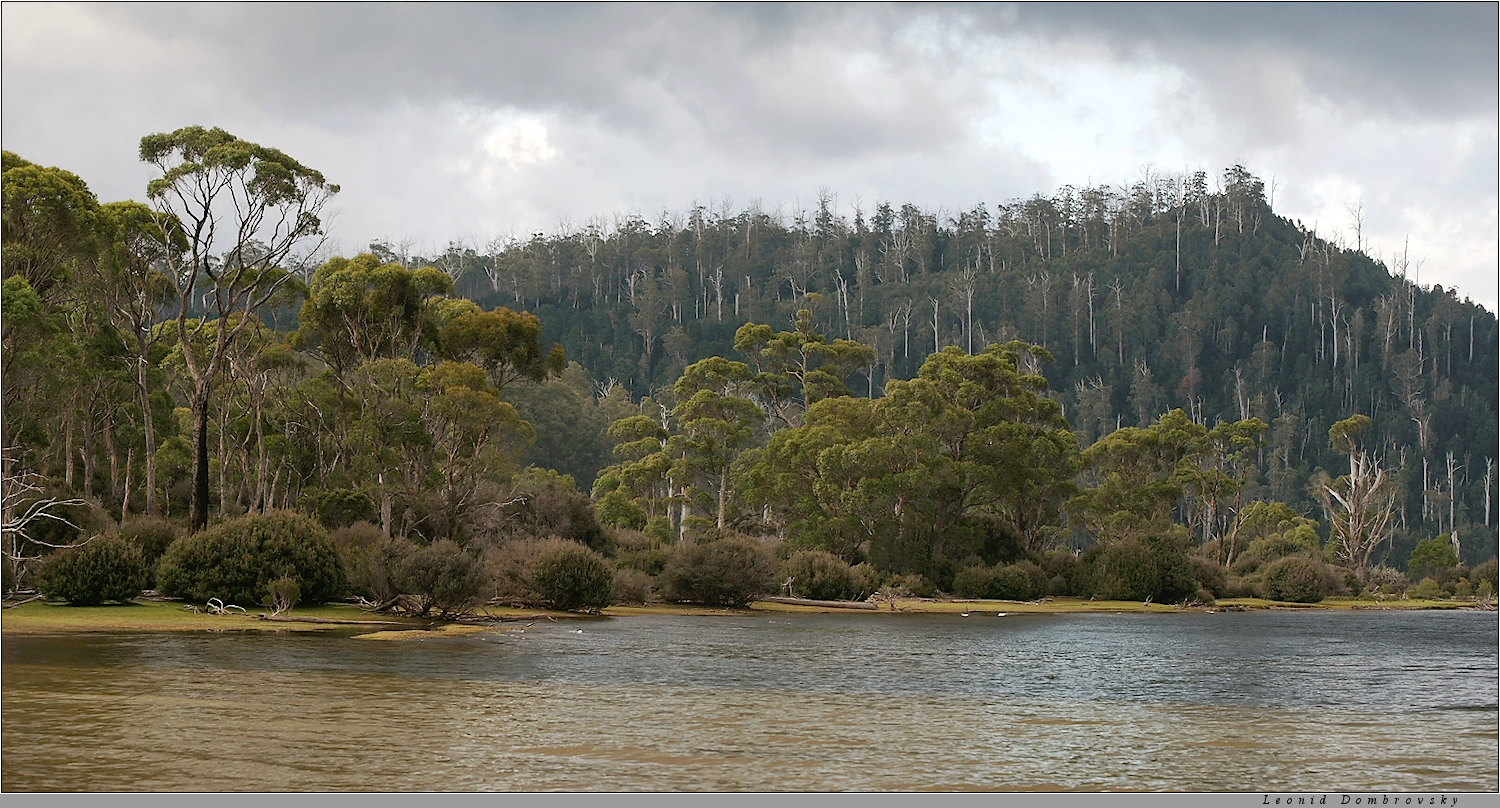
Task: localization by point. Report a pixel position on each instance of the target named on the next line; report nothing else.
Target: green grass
(39, 617)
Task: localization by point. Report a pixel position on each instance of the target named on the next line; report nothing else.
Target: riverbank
(39, 617)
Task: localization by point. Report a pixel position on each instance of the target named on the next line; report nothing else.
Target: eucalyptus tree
(242, 211)
(795, 369)
(136, 292)
(47, 225)
(1360, 505)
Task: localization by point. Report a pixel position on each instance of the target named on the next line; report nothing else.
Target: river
(1270, 701)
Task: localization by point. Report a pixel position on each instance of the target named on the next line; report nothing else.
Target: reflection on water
(1230, 702)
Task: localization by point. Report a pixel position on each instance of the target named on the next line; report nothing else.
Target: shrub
(440, 577)
(235, 560)
(507, 569)
(1488, 571)
(972, 582)
(1210, 575)
(282, 595)
(915, 585)
(639, 551)
(1023, 580)
(1302, 540)
(819, 575)
(1428, 589)
(727, 572)
(371, 568)
(1384, 581)
(106, 568)
(1296, 579)
(337, 507)
(617, 510)
(570, 576)
(1154, 567)
(1237, 587)
(632, 586)
(867, 581)
(152, 534)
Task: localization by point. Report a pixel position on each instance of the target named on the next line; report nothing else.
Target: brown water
(1252, 702)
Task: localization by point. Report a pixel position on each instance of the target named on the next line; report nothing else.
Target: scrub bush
(725, 572)
(1023, 580)
(442, 578)
(972, 582)
(235, 560)
(337, 507)
(106, 568)
(569, 576)
(1385, 581)
(152, 534)
(819, 575)
(371, 567)
(1296, 579)
(1428, 589)
(632, 586)
(1154, 567)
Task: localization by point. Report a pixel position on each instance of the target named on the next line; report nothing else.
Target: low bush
(972, 582)
(1296, 579)
(569, 576)
(1210, 575)
(1428, 589)
(152, 534)
(914, 585)
(632, 586)
(1154, 567)
(867, 581)
(1023, 580)
(337, 507)
(726, 572)
(440, 578)
(235, 560)
(282, 595)
(819, 575)
(1488, 571)
(106, 568)
(371, 567)
(1384, 581)
(1433, 558)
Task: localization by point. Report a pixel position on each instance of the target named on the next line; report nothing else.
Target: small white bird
(963, 614)
(1002, 614)
(577, 631)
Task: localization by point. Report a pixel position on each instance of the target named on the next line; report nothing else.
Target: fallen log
(285, 619)
(826, 604)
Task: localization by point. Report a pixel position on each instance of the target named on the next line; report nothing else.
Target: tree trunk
(198, 510)
(152, 509)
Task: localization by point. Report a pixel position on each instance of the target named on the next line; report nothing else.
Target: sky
(480, 122)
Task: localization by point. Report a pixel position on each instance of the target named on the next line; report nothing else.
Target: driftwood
(284, 619)
(826, 604)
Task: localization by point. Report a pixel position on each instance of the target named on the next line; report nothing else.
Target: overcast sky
(477, 121)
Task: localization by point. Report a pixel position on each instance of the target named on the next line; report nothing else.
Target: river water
(1324, 701)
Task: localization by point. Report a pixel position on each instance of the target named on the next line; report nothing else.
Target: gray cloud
(443, 120)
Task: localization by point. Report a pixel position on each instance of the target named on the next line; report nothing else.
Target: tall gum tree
(243, 211)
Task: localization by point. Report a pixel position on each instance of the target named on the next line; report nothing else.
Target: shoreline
(40, 617)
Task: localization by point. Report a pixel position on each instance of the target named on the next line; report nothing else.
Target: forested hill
(1092, 371)
(1182, 292)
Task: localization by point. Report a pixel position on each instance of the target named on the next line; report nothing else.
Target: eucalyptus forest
(1156, 390)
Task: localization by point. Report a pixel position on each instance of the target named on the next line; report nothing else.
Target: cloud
(442, 120)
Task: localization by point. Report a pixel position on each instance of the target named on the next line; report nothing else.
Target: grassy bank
(39, 617)
(154, 615)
